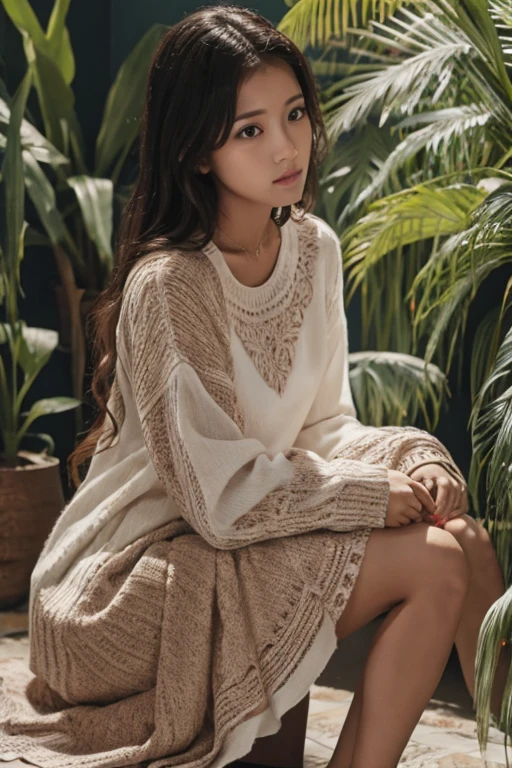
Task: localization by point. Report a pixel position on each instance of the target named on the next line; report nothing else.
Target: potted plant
(31, 496)
(76, 205)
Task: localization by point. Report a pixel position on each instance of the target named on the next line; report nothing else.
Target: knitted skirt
(176, 653)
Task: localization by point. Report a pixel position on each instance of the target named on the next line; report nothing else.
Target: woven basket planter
(31, 499)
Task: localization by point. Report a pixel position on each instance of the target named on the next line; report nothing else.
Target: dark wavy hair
(189, 111)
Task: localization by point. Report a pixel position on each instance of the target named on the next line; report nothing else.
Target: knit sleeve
(173, 340)
(331, 428)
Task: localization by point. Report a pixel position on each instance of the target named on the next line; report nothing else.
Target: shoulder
(329, 250)
(174, 300)
(173, 281)
(322, 230)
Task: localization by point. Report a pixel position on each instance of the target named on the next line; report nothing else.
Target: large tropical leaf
(55, 43)
(13, 206)
(95, 197)
(56, 99)
(391, 388)
(42, 194)
(124, 104)
(41, 149)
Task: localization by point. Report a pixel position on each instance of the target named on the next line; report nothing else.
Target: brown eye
(241, 133)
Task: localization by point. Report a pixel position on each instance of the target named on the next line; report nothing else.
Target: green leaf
(36, 347)
(42, 194)
(12, 173)
(407, 217)
(313, 21)
(496, 625)
(46, 407)
(392, 388)
(441, 129)
(39, 146)
(55, 45)
(395, 86)
(49, 405)
(24, 18)
(95, 197)
(56, 100)
(125, 102)
(59, 44)
(47, 439)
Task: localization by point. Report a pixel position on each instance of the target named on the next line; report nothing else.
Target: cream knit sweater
(187, 595)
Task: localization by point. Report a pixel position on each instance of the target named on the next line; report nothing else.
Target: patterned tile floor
(445, 736)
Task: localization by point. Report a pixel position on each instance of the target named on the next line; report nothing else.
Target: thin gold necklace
(241, 246)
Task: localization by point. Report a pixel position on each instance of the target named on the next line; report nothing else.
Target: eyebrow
(263, 111)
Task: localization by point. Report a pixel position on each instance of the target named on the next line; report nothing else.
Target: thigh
(398, 562)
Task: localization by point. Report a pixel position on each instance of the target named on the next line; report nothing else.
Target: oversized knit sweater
(187, 595)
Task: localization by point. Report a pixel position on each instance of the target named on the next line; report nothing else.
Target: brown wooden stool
(284, 749)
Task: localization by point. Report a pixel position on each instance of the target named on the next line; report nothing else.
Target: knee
(449, 566)
(473, 538)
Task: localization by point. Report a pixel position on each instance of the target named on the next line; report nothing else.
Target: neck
(234, 241)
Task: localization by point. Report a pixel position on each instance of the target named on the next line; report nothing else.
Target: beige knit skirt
(176, 653)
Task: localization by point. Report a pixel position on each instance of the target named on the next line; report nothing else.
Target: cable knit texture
(188, 593)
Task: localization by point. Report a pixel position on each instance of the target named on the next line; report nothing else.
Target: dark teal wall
(127, 27)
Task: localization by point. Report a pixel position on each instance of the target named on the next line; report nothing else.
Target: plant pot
(31, 500)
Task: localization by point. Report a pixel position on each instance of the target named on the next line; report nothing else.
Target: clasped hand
(429, 494)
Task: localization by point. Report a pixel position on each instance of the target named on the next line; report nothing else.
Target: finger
(430, 485)
(443, 505)
(413, 503)
(454, 505)
(424, 496)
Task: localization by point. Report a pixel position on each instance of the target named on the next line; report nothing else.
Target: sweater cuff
(365, 493)
(417, 459)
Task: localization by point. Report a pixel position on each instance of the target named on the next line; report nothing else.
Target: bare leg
(486, 586)
(344, 751)
(433, 576)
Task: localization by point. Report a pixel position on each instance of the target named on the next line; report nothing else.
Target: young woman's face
(263, 147)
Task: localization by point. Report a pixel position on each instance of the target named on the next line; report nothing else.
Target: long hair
(189, 111)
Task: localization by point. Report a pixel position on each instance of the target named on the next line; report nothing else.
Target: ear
(202, 167)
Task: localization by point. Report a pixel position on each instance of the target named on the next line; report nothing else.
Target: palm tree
(419, 181)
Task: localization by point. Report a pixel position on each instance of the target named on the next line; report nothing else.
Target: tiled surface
(440, 740)
(443, 738)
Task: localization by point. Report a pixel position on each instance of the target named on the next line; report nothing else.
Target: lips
(288, 175)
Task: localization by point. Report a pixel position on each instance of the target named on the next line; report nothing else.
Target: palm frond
(491, 431)
(391, 388)
(350, 168)
(315, 21)
(483, 353)
(442, 129)
(496, 627)
(393, 87)
(415, 214)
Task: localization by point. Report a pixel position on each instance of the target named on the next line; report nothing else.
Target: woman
(236, 519)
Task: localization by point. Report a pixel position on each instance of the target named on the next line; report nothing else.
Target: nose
(284, 148)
